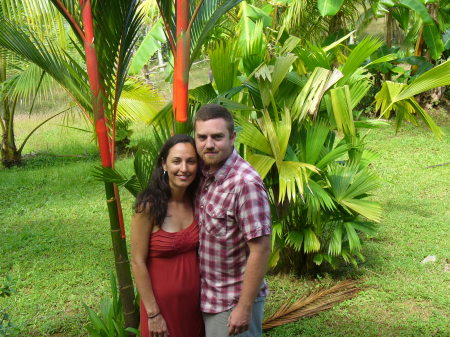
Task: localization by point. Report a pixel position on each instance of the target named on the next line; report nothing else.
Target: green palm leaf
(280, 70)
(352, 236)
(261, 163)
(139, 102)
(341, 107)
(310, 96)
(295, 240)
(349, 185)
(150, 44)
(310, 241)
(250, 135)
(358, 55)
(293, 176)
(436, 77)
(335, 245)
(433, 40)
(329, 7)
(209, 14)
(317, 198)
(222, 56)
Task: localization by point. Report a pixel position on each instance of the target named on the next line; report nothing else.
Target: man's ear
(233, 136)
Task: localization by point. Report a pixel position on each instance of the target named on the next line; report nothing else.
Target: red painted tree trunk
(181, 66)
(123, 270)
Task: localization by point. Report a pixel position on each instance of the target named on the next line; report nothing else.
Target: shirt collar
(223, 171)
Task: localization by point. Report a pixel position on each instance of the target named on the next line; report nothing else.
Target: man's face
(213, 141)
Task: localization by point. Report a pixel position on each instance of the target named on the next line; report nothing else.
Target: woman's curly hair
(155, 197)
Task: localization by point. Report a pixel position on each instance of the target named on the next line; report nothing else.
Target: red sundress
(173, 268)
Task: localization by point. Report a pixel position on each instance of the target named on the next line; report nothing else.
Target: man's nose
(209, 143)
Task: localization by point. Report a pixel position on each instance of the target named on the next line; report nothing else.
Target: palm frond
(341, 106)
(293, 177)
(311, 243)
(222, 56)
(209, 14)
(261, 163)
(312, 304)
(358, 55)
(250, 135)
(349, 184)
(310, 96)
(436, 77)
(139, 101)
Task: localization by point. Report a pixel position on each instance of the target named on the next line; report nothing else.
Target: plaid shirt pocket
(219, 221)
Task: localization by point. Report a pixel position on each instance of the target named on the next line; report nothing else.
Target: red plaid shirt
(231, 208)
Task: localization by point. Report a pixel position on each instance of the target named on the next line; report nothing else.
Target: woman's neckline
(181, 230)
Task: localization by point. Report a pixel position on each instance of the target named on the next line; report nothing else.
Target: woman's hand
(157, 326)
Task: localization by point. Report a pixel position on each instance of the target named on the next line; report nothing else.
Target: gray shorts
(216, 324)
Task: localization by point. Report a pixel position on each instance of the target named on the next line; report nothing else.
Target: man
(233, 213)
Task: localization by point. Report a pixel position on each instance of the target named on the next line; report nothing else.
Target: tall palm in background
(21, 80)
(188, 25)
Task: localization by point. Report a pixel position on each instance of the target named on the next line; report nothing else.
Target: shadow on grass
(39, 160)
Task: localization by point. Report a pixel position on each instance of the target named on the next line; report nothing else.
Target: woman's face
(181, 165)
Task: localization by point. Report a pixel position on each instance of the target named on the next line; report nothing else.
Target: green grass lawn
(56, 247)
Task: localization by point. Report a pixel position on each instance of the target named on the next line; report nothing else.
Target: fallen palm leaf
(312, 304)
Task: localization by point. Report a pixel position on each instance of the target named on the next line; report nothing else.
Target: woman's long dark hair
(156, 196)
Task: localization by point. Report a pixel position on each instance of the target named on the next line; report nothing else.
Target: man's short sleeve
(253, 212)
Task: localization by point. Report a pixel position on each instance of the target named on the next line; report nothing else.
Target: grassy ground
(55, 244)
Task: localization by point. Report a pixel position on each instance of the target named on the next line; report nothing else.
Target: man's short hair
(213, 111)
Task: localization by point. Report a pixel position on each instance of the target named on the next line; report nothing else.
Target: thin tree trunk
(389, 33)
(123, 270)
(418, 50)
(10, 156)
(181, 64)
(160, 61)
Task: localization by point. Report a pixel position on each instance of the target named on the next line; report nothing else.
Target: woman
(164, 241)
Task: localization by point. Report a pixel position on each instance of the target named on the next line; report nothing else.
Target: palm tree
(20, 80)
(95, 76)
(188, 25)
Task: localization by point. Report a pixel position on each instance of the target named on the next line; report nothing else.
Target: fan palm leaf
(348, 184)
(400, 97)
(309, 98)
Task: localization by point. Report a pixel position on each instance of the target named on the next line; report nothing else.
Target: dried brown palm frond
(312, 304)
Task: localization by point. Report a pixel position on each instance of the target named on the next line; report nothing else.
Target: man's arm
(255, 270)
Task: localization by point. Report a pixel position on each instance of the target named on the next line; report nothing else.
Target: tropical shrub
(298, 126)
(109, 322)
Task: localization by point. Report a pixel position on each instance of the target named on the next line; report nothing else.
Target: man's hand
(239, 320)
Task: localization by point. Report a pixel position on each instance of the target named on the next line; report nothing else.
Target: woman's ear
(164, 166)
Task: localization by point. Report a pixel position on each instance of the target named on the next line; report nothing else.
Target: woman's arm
(141, 229)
